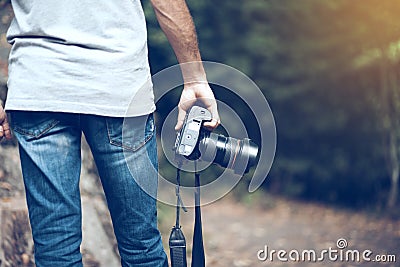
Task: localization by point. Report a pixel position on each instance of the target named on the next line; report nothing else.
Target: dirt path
(234, 233)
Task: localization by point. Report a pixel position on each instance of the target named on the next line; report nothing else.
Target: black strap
(177, 241)
(198, 257)
(179, 202)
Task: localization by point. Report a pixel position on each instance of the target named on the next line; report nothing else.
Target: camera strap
(177, 242)
(198, 258)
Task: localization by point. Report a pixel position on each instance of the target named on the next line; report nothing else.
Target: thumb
(187, 100)
(181, 118)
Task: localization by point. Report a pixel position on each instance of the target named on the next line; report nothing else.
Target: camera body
(194, 142)
(186, 143)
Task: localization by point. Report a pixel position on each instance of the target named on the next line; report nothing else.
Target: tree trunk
(395, 169)
(391, 126)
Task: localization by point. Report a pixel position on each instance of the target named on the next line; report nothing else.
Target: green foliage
(330, 70)
(319, 64)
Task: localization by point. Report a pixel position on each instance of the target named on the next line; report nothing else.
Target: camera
(195, 142)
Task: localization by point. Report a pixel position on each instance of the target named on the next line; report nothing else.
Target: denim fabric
(50, 144)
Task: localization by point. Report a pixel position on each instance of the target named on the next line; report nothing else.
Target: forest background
(331, 73)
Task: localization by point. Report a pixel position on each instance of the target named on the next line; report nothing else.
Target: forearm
(176, 22)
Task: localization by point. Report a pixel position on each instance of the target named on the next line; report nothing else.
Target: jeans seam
(133, 149)
(22, 131)
(120, 144)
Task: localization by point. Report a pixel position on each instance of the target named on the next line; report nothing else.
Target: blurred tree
(306, 55)
(330, 70)
(309, 57)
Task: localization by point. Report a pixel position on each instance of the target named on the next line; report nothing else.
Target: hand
(192, 93)
(5, 131)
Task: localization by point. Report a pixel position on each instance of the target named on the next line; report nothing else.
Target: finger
(186, 102)
(6, 129)
(8, 134)
(215, 117)
(1, 132)
(212, 124)
(181, 118)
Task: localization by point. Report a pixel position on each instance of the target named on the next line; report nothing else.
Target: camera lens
(236, 154)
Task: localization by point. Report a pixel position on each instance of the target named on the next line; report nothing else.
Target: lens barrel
(236, 154)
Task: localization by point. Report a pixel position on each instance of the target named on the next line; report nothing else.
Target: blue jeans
(50, 151)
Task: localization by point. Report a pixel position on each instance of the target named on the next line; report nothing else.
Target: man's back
(84, 59)
(79, 56)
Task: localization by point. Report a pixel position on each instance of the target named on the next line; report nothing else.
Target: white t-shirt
(79, 56)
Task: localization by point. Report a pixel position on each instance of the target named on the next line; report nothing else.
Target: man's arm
(4, 126)
(176, 22)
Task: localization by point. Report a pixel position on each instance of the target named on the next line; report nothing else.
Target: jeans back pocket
(32, 124)
(130, 133)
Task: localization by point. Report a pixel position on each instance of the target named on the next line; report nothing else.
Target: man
(81, 66)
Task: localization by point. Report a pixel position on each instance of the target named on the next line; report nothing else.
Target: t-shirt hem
(68, 107)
